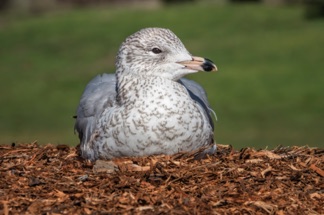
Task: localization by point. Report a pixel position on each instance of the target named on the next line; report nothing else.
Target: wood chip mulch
(53, 179)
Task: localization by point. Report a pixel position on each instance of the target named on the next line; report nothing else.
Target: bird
(146, 107)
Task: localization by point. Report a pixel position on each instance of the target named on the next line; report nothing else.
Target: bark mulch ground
(53, 179)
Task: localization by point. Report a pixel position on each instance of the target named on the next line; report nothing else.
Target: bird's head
(158, 52)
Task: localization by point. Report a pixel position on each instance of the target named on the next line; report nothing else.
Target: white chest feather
(151, 116)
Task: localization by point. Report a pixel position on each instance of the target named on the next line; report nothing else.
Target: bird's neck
(131, 88)
(127, 87)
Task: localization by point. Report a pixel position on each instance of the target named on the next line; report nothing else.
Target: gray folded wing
(198, 94)
(100, 93)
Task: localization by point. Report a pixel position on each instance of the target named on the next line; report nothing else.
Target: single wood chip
(317, 170)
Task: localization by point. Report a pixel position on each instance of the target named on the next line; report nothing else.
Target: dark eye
(156, 50)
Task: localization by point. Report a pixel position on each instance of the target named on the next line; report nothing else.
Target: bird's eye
(156, 50)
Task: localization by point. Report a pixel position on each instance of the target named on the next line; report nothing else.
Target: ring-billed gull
(146, 107)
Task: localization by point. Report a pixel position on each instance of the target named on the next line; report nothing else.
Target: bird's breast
(162, 106)
(156, 116)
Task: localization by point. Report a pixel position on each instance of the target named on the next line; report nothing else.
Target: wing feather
(99, 94)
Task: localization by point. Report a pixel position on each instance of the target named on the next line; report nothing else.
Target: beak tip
(209, 66)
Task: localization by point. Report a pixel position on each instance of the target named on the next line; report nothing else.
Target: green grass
(268, 91)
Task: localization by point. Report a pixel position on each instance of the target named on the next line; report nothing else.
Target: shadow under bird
(146, 107)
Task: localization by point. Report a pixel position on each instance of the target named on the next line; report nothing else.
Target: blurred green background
(268, 91)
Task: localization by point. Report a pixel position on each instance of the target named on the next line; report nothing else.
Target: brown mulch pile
(55, 180)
